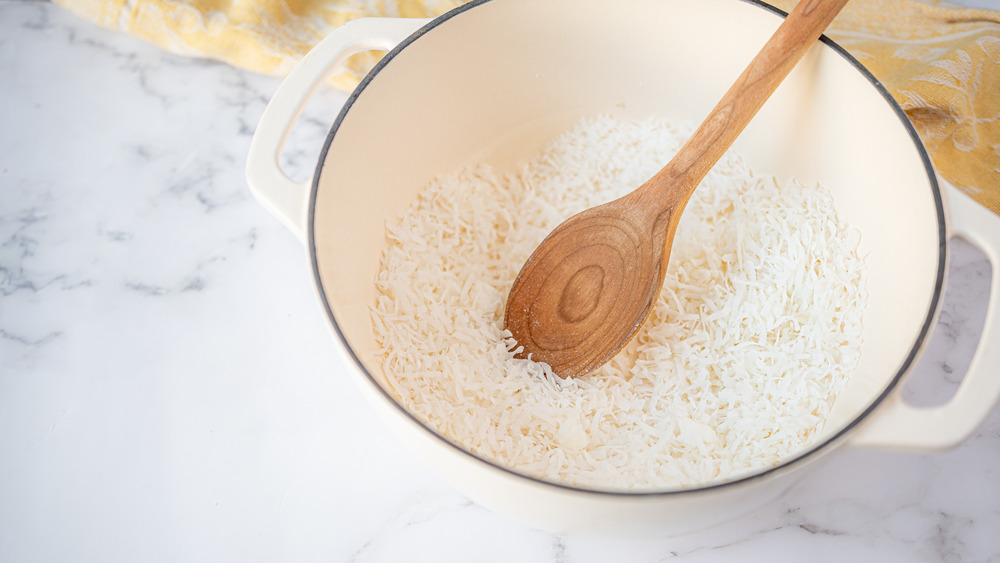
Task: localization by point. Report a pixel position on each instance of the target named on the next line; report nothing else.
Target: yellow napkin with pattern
(941, 62)
(942, 65)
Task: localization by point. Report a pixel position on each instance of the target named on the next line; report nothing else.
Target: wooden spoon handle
(759, 80)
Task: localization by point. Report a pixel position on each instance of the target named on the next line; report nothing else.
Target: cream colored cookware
(495, 79)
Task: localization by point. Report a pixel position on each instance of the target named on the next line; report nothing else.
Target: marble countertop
(169, 389)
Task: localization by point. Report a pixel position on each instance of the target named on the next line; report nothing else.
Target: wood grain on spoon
(591, 283)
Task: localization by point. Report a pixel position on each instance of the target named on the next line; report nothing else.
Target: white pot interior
(497, 81)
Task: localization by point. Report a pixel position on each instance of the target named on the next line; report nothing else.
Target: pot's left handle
(285, 198)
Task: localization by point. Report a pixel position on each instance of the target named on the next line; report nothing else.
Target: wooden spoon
(591, 283)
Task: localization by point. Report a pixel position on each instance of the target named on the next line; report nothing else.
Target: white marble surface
(169, 389)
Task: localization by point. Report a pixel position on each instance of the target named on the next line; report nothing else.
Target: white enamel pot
(495, 79)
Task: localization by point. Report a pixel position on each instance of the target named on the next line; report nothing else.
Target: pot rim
(806, 454)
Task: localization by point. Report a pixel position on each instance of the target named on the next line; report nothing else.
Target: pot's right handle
(897, 425)
(285, 198)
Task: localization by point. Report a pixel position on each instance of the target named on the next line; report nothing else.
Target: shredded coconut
(753, 336)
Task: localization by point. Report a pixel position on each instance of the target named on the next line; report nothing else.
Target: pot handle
(283, 197)
(897, 425)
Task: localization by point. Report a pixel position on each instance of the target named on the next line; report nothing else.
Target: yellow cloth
(940, 62)
(942, 65)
